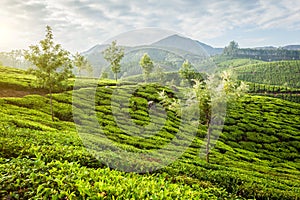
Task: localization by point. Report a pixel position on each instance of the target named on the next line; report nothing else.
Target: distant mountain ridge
(292, 47)
(287, 47)
(173, 41)
(188, 45)
(169, 52)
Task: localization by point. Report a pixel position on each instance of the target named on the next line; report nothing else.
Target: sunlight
(5, 34)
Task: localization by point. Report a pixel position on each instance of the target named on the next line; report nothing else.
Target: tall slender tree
(211, 102)
(114, 54)
(159, 73)
(52, 64)
(210, 97)
(82, 64)
(147, 65)
(187, 72)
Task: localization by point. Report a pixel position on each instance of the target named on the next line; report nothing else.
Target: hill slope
(285, 73)
(188, 45)
(256, 157)
(169, 53)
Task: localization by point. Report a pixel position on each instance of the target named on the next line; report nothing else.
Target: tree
(147, 65)
(114, 54)
(82, 64)
(187, 71)
(159, 73)
(211, 101)
(231, 49)
(52, 64)
(104, 75)
(210, 97)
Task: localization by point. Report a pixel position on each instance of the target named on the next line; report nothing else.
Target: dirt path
(19, 93)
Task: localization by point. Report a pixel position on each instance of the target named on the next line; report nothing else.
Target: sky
(81, 24)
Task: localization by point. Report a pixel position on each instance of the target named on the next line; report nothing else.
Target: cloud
(80, 24)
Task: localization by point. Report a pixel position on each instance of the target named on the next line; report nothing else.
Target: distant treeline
(14, 58)
(267, 54)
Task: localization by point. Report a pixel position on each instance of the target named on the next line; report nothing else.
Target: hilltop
(188, 45)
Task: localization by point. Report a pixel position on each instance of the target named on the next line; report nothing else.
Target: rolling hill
(282, 73)
(256, 157)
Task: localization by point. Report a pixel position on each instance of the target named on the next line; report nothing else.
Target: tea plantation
(256, 157)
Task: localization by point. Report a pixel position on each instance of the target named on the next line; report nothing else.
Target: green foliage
(114, 54)
(187, 71)
(15, 78)
(256, 157)
(231, 49)
(14, 58)
(82, 64)
(159, 74)
(281, 73)
(53, 65)
(275, 79)
(147, 65)
(104, 75)
(282, 92)
(233, 63)
(208, 98)
(278, 54)
(59, 180)
(263, 133)
(169, 78)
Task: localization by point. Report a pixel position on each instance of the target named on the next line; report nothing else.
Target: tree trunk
(208, 142)
(51, 106)
(116, 77)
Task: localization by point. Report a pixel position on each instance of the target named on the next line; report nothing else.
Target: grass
(256, 157)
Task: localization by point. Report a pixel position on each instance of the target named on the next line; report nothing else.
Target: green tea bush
(256, 157)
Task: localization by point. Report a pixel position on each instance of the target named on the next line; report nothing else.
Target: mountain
(211, 50)
(95, 49)
(287, 47)
(169, 53)
(187, 44)
(169, 59)
(292, 47)
(95, 57)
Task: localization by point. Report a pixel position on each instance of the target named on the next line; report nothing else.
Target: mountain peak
(187, 44)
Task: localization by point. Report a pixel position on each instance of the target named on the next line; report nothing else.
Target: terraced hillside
(272, 73)
(15, 82)
(256, 157)
(275, 79)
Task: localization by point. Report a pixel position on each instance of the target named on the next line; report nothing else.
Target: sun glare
(5, 35)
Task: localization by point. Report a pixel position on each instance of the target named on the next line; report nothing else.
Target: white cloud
(80, 24)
